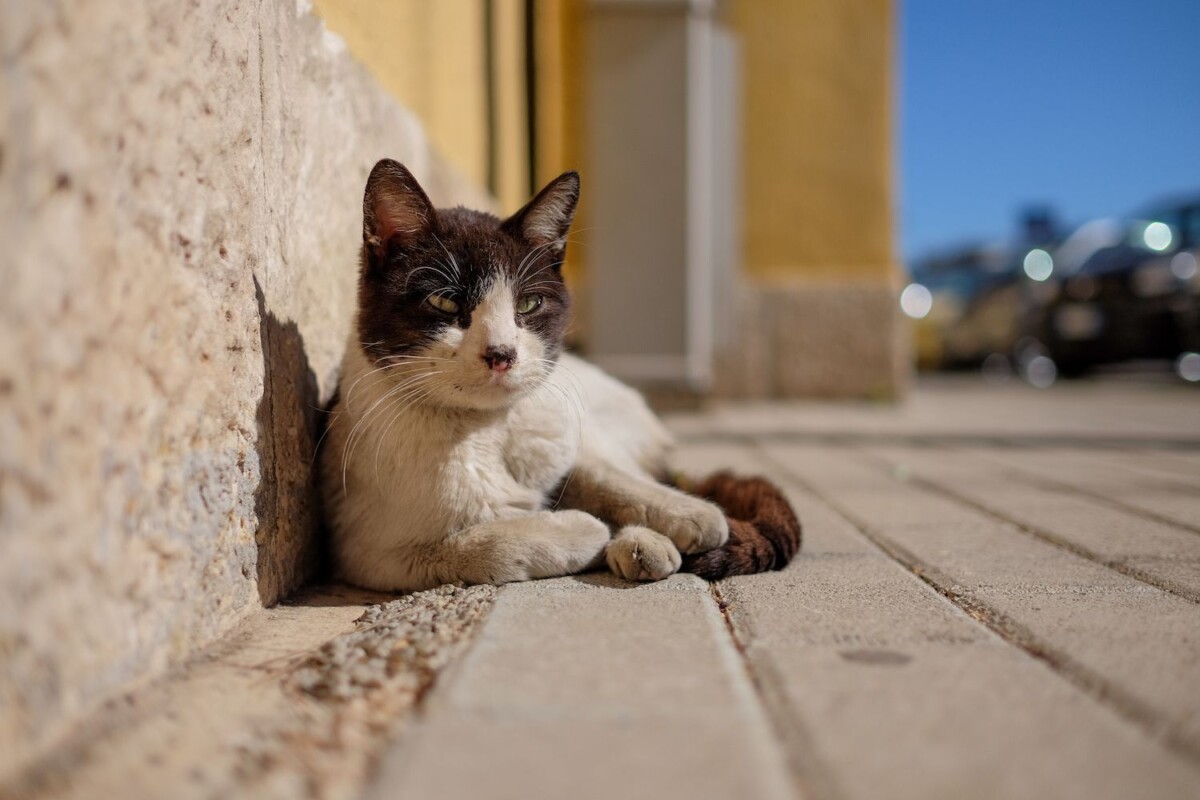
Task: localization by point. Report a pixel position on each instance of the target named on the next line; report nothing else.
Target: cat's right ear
(395, 207)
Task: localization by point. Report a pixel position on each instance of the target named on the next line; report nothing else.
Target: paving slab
(955, 625)
(1163, 554)
(592, 687)
(1172, 497)
(1130, 643)
(1157, 465)
(1180, 462)
(1103, 469)
(879, 686)
(950, 409)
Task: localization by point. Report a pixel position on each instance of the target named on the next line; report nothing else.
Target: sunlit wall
(460, 65)
(818, 137)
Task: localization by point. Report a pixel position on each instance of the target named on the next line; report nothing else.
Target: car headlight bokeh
(1038, 264)
(916, 301)
(1157, 236)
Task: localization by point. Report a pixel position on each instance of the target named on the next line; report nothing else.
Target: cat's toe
(640, 554)
(694, 525)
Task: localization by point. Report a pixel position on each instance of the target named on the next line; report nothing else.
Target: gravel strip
(355, 692)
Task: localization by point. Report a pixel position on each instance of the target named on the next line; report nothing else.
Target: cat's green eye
(443, 303)
(528, 303)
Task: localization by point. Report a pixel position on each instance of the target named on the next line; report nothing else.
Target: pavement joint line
(1015, 634)
(1041, 534)
(1131, 468)
(1031, 479)
(809, 777)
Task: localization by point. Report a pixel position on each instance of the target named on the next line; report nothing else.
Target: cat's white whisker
(400, 406)
(350, 392)
(352, 441)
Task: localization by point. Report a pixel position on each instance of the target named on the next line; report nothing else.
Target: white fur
(439, 469)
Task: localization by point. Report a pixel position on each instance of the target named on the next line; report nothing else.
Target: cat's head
(463, 308)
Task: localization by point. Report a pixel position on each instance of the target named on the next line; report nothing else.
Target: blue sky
(1091, 106)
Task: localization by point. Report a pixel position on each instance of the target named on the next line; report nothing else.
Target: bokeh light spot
(1038, 264)
(1188, 367)
(916, 301)
(1183, 266)
(1157, 236)
(1041, 371)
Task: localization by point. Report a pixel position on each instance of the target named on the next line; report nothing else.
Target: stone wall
(180, 190)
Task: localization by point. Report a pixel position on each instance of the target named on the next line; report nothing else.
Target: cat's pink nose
(499, 359)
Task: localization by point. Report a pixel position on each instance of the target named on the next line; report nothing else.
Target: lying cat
(466, 446)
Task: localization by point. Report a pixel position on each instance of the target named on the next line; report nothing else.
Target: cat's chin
(494, 395)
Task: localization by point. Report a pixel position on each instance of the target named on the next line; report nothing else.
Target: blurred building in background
(736, 230)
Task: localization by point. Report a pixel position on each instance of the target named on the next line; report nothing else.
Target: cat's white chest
(508, 466)
(543, 435)
(474, 482)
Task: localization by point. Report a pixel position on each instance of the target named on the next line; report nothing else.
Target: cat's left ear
(545, 220)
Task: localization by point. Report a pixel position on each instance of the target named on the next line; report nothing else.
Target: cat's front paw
(640, 554)
(694, 525)
(582, 539)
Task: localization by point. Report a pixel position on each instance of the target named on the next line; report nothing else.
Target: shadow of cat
(290, 421)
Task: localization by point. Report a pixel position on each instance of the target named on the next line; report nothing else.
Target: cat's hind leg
(544, 544)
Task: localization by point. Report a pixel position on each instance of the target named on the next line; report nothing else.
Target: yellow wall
(559, 44)
(817, 100)
(433, 57)
(512, 145)
(817, 137)
(430, 55)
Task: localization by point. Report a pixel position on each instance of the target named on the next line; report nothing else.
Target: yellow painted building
(818, 137)
(461, 66)
(502, 89)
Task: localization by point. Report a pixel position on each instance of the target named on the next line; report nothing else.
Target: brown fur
(764, 533)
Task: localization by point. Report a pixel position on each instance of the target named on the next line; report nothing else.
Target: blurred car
(964, 302)
(1112, 291)
(1182, 214)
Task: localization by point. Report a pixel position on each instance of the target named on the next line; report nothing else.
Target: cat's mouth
(503, 380)
(491, 390)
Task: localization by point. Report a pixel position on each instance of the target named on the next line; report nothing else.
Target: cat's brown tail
(764, 532)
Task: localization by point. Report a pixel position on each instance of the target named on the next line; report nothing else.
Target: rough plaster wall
(180, 189)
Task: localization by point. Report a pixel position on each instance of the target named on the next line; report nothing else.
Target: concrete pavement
(998, 596)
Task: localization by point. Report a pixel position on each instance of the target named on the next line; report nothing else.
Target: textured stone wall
(180, 189)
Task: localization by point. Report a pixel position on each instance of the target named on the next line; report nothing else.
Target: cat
(466, 446)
